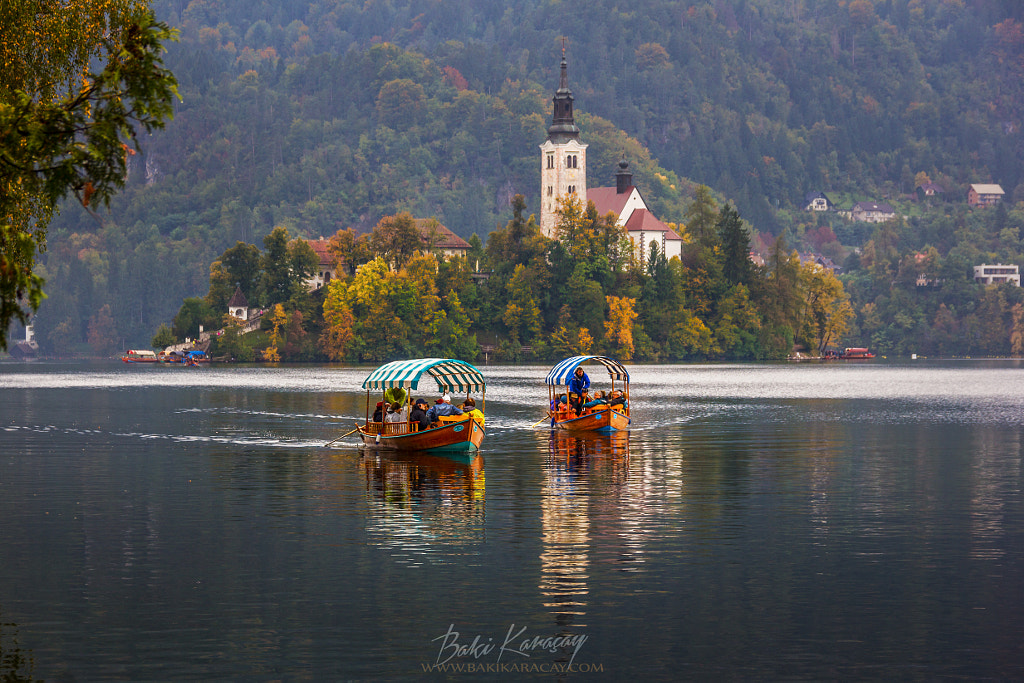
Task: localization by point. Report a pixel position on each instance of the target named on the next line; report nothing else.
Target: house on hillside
(930, 190)
(819, 260)
(997, 274)
(984, 195)
(442, 239)
(870, 212)
(817, 201)
(326, 268)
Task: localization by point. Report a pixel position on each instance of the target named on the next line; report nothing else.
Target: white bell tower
(563, 158)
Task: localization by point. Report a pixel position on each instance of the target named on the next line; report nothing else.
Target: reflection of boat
(417, 475)
(420, 502)
(600, 418)
(585, 452)
(454, 433)
(139, 356)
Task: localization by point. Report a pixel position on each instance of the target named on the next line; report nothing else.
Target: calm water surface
(816, 522)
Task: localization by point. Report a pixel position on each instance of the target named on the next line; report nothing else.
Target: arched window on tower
(551, 160)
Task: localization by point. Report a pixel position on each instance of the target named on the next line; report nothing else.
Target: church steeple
(562, 127)
(563, 158)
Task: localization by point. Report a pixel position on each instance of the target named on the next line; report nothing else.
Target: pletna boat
(139, 356)
(598, 418)
(856, 353)
(452, 433)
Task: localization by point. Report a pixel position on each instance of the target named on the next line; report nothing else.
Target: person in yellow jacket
(469, 407)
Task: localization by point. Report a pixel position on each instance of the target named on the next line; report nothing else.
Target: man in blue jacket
(443, 406)
(577, 385)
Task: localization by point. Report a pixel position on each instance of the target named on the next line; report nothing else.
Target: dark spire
(623, 178)
(562, 127)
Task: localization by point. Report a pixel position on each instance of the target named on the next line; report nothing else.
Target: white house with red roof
(563, 172)
(641, 224)
(443, 239)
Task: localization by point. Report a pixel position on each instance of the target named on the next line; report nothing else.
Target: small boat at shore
(453, 433)
(597, 418)
(140, 356)
(851, 353)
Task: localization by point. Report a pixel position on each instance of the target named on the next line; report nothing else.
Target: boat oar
(546, 417)
(341, 437)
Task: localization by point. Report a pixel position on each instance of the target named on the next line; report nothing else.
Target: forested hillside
(327, 115)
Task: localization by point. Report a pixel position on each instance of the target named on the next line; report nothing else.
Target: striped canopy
(561, 373)
(450, 375)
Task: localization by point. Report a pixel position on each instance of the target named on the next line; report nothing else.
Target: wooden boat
(454, 433)
(599, 419)
(140, 356)
(856, 354)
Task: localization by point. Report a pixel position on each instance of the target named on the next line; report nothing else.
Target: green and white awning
(450, 375)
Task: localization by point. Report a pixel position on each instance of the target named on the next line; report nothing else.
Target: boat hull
(454, 437)
(602, 421)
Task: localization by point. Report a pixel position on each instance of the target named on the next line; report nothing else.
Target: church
(563, 171)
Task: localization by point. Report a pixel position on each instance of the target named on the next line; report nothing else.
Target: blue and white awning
(560, 374)
(450, 375)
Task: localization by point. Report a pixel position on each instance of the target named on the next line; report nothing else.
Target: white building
(563, 158)
(563, 171)
(997, 274)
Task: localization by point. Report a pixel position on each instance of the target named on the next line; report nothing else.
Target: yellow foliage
(619, 326)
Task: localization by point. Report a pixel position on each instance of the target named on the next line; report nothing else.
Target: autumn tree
(396, 238)
(278, 318)
(826, 310)
(337, 335)
(619, 325)
(66, 129)
(350, 250)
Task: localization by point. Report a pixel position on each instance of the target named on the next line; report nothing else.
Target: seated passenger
(618, 399)
(469, 408)
(419, 415)
(378, 414)
(441, 408)
(556, 404)
(598, 400)
(394, 413)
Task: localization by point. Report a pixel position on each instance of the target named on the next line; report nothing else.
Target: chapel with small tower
(563, 171)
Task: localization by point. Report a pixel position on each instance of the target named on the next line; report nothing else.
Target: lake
(760, 521)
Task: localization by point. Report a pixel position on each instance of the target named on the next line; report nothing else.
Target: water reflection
(16, 665)
(424, 505)
(575, 465)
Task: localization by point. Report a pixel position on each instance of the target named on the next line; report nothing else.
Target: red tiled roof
(644, 220)
(322, 252)
(608, 199)
(446, 238)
